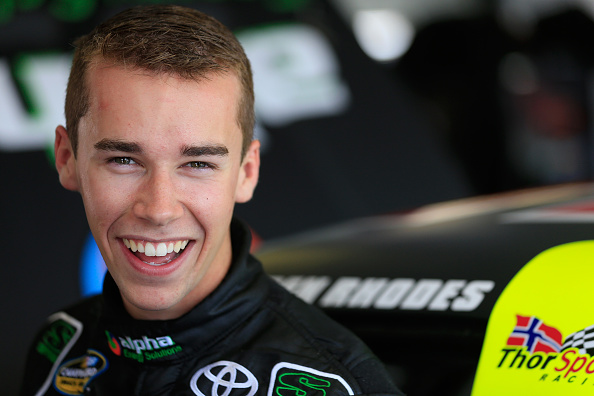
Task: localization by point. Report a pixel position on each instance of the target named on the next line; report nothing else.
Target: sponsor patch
(144, 348)
(288, 379)
(55, 339)
(224, 378)
(74, 376)
(56, 342)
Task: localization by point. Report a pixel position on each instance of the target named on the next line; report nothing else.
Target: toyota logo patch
(224, 378)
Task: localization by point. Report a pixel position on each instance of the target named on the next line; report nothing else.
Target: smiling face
(159, 169)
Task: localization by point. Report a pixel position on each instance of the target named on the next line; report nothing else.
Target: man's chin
(152, 304)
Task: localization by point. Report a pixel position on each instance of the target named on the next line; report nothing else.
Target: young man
(159, 114)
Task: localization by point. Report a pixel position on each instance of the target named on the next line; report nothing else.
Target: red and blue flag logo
(535, 335)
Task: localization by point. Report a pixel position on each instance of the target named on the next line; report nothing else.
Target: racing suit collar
(212, 319)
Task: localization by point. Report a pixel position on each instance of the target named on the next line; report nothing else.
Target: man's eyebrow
(118, 145)
(207, 150)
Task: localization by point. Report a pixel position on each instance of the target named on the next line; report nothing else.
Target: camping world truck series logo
(144, 348)
(539, 350)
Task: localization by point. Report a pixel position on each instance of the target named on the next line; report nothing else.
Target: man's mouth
(156, 253)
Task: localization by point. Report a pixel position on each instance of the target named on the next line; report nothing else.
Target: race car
(419, 287)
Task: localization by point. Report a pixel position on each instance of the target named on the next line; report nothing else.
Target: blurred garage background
(364, 107)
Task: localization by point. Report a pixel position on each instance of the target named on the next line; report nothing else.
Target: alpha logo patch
(142, 349)
(73, 376)
(224, 378)
(288, 379)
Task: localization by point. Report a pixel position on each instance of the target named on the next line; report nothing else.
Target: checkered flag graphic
(583, 340)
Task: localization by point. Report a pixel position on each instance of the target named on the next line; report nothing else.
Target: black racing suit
(249, 337)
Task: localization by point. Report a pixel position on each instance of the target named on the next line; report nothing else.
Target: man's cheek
(102, 208)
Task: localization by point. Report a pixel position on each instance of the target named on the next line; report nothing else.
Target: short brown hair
(162, 39)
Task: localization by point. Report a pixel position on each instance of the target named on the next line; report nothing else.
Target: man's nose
(157, 200)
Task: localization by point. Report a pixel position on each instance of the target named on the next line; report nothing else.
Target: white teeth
(161, 250)
(149, 249)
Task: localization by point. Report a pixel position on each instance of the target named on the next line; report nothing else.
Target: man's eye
(199, 165)
(122, 161)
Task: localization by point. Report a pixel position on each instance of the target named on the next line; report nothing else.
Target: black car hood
(456, 257)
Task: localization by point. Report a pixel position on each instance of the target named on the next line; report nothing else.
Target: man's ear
(65, 160)
(249, 173)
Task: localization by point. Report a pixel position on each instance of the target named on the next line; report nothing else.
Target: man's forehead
(114, 102)
(100, 66)
(100, 92)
